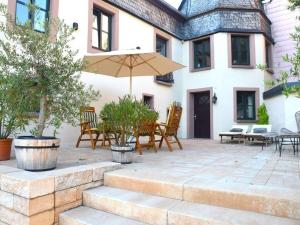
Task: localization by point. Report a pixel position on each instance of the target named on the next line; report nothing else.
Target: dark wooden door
(202, 115)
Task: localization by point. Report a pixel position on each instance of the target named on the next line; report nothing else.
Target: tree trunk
(42, 116)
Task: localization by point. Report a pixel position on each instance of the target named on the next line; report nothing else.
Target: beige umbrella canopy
(130, 63)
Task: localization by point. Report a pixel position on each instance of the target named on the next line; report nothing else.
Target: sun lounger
(257, 133)
(237, 131)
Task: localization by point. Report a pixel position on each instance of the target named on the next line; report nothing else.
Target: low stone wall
(31, 198)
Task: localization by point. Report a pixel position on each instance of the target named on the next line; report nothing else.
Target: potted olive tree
(11, 119)
(47, 72)
(122, 118)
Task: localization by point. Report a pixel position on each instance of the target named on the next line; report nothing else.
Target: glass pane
(105, 23)
(161, 46)
(22, 14)
(202, 54)
(40, 20)
(41, 4)
(95, 22)
(95, 39)
(105, 41)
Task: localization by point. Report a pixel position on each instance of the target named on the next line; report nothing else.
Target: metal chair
(297, 117)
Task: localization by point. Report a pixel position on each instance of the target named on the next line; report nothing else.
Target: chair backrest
(245, 128)
(297, 117)
(147, 128)
(88, 114)
(173, 120)
(255, 128)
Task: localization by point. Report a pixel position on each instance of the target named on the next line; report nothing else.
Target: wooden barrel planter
(5, 149)
(36, 154)
(122, 154)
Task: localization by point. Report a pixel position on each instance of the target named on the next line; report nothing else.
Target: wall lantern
(214, 99)
(75, 26)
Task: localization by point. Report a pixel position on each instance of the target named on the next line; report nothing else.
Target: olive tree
(46, 70)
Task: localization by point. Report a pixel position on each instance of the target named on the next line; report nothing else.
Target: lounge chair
(237, 131)
(168, 131)
(257, 133)
(146, 129)
(88, 126)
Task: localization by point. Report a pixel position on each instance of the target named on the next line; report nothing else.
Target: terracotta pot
(5, 149)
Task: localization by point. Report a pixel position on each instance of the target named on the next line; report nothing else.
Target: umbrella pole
(130, 81)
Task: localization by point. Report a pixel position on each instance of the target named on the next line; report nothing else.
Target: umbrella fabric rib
(141, 63)
(151, 66)
(121, 65)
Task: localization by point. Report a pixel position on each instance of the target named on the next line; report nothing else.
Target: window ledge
(242, 67)
(200, 69)
(246, 121)
(164, 83)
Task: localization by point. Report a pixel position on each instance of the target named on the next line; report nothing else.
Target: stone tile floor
(204, 160)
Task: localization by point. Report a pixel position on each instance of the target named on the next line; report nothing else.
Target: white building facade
(219, 42)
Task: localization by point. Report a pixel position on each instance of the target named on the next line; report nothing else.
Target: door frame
(190, 110)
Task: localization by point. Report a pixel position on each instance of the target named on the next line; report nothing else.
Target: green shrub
(262, 114)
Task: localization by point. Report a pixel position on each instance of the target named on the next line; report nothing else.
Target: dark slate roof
(197, 18)
(275, 91)
(194, 7)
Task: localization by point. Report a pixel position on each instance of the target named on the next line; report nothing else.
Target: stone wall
(31, 198)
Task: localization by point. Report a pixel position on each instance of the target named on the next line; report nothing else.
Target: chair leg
(178, 142)
(95, 141)
(78, 141)
(161, 141)
(92, 140)
(138, 146)
(168, 143)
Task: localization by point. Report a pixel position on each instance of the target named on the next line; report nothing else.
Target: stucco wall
(282, 112)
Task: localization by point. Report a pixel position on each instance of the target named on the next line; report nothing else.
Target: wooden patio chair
(168, 131)
(88, 126)
(146, 129)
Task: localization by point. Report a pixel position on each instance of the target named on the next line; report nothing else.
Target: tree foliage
(124, 116)
(294, 4)
(46, 71)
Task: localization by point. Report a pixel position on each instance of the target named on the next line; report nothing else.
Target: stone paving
(205, 159)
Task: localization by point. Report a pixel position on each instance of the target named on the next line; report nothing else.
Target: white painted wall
(281, 110)
(222, 79)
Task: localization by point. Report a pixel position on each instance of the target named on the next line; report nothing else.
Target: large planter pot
(122, 154)
(5, 149)
(36, 154)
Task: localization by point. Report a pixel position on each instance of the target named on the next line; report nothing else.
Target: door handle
(195, 117)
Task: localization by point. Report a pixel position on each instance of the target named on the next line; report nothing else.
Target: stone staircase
(129, 197)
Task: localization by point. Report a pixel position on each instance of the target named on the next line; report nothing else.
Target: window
(202, 58)
(101, 37)
(148, 100)
(240, 49)
(269, 63)
(38, 18)
(246, 105)
(161, 46)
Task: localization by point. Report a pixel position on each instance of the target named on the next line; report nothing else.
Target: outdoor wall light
(75, 26)
(214, 99)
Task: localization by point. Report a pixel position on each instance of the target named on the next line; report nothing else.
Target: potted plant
(11, 119)
(122, 118)
(47, 69)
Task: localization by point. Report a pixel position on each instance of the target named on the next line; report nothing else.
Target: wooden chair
(146, 129)
(88, 126)
(106, 134)
(168, 131)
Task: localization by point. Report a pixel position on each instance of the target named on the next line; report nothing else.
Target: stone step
(164, 211)
(281, 202)
(87, 216)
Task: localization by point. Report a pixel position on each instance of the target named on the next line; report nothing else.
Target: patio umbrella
(130, 63)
